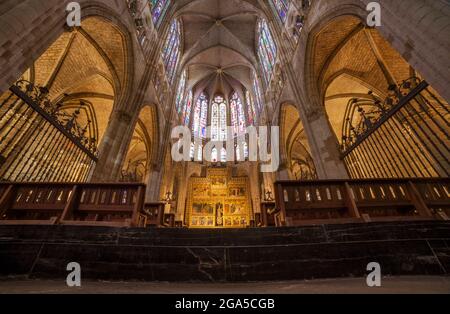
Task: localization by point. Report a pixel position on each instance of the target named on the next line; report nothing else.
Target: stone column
(283, 172)
(183, 183)
(113, 147)
(324, 146)
(255, 189)
(321, 137)
(154, 181)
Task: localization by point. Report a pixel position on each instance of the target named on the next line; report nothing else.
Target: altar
(218, 201)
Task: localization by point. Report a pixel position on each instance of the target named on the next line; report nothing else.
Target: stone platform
(240, 255)
(389, 285)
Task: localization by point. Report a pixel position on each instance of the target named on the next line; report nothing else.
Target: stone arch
(35, 46)
(143, 147)
(412, 50)
(82, 66)
(294, 148)
(342, 48)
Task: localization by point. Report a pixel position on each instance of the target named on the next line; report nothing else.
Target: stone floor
(390, 285)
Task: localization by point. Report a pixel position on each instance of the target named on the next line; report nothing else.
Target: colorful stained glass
(192, 151)
(238, 151)
(200, 153)
(200, 116)
(214, 157)
(257, 93)
(237, 114)
(181, 93)
(215, 121)
(267, 50)
(204, 117)
(223, 155)
(251, 110)
(172, 49)
(281, 7)
(159, 8)
(188, 108)
(234, 117)
(223, 121)
(219, 119)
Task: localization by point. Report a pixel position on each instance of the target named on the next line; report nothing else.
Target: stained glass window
(200, 116)
(223, 155)
(181, 92)
(238, 151)
(281, 7)
(215, 121)
(223, 121)
(188, 108)
(234, 117)
(200, 153)
(214, 157)
(204, 117)
(159, 8)
(251, 110)
(267, 50)
(237, 114)
(192, 151)
(257, 92)
(171, 50)
(219, 119)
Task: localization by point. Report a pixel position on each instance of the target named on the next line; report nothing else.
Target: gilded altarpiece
(218, 201)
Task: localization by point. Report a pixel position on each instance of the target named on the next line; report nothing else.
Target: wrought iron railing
(39, 141)
(404, 136)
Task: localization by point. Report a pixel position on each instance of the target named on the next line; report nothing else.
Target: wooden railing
(153, 214)
(340, 201)
(297, 203)
(120, 205)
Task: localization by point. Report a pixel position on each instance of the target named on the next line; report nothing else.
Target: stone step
(226, 255)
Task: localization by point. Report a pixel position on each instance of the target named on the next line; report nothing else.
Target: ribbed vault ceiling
(219, 43)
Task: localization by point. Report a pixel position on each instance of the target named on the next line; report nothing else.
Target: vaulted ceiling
(87, 65)
(219, 43)
(349, 60)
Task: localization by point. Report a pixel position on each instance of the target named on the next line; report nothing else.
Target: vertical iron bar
(47, 137)
(378, 167)
(395, 129)
(416, 139)
(425, 136)
(54, 156)
(388, 157)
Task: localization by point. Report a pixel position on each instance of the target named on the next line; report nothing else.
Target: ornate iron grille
(404, 136)
(41, 142)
